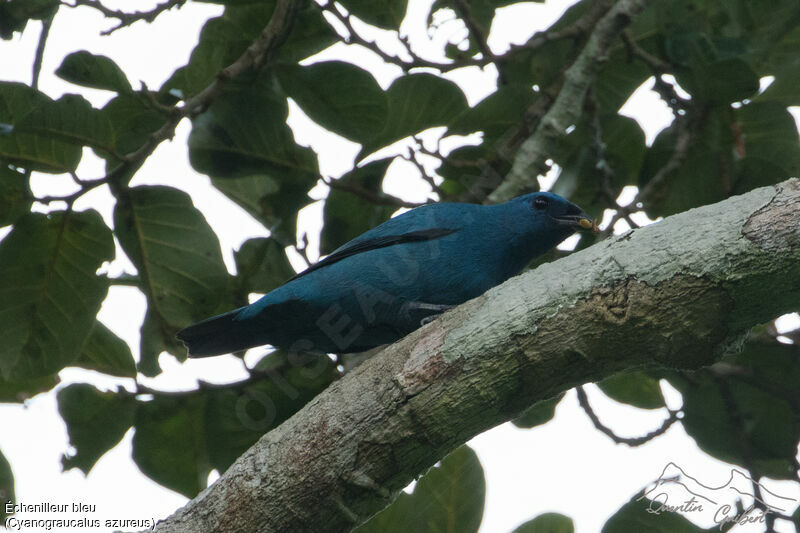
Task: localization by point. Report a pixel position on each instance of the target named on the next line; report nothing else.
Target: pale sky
(564, 466)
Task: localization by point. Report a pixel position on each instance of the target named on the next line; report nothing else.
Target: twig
(536, 41)
(566, 109)
(607, 173)
(271, 38)
(412, 157)
(687, 128)
(659, 67)
(371, 197)
(630, 441)
(37, 61)
(85, 186)
(126, 19)
(478, 33)
(746, 449)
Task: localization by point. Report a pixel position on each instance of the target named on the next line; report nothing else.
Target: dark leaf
(448, 499)
(635, 516)
(539, 413)
(383, 13)
(15, 195)
(224, 39)
(6, 487)
(547, 523)
(338, 96)
(723, 81)
(132, 123)
(26, 150)
(262, 265)
(95, 71)
(50, 292)
(705, 175)
(177, 256)
(346, 215)
(496, 115)
(96, 422)
(168, 445)
(417, 102)
(272, 201)
(71, 119)
(741, 421)
(636, 388)
(769, 143)
(243, 133)
(106, 353)
(17, 390)
(14, 16)
(237, 417)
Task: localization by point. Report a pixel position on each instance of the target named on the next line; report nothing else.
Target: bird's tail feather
(216, 335)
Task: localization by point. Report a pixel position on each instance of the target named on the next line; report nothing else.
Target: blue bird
(394, 278)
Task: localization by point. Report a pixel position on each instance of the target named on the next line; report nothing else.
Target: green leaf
(26, 150)
(636, 388)
(417, 102)
(15, 195)
(6, 487)
(71, 119)
(262, 265)
(176, 254)
(157, 337)
(704, 176)
(311, 34)
(547, 523)
(96, 422)
(383, 13)
(244, 132)
(106, 353)
(448, 499)
(769, 143)
(539, 413)
(332, 104)
(168, 445)
(95, 71)
(723, 81)
(496, 114)
(224, 39)
(347, 215)
(132, 123)
(236, 417)
(272, 201)
(14, 16)
(580, 179)
(49, 292)
(634, 516)
(17, 391)
(757, 413)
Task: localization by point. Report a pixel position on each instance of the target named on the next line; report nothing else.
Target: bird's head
(552, 210)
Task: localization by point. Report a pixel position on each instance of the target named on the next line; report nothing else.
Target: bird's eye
(540, 203)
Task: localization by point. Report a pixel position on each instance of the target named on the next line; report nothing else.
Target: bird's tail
(216, 335)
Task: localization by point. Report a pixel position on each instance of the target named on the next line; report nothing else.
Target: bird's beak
(581, 221)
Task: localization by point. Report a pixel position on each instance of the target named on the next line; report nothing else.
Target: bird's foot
(431, 311)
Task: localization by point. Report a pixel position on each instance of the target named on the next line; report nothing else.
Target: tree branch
(126, 19)
(566, 109)
(687, 288)
(257, 54)
(630, 441)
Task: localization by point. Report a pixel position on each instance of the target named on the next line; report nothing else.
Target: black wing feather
(374, 244)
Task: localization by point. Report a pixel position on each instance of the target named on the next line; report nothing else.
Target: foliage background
(728, 137)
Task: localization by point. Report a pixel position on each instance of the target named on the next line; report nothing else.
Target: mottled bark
(678, 293)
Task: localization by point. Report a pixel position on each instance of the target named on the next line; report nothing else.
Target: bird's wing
(360, 245)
